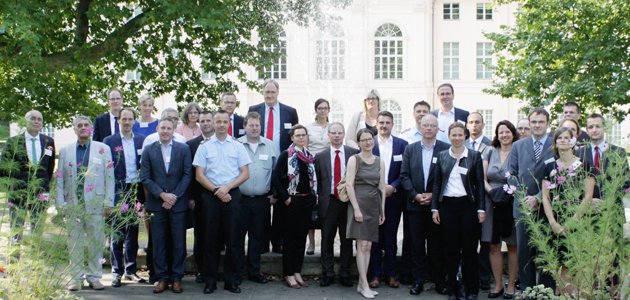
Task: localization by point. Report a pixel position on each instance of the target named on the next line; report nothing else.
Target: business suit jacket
(484, 148)
(194, 188)
(460, 115)
(412, 173)
(237, 129)
(325, 176)
(156, 180)
(16, 150)
(98, 187)
(102, 127)
(118, 156)
(398, 148)
(288, 114)
(527, 170)
(586, 155)
(473, 179)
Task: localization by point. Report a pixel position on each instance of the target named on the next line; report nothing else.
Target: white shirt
(603, 146)
(154, 137)
(427, 157)
(385, 148)
(166, 153)
(276, 125)
(129, 150)
(342, 157)
(477, 142)
(411, 135)
(455, 185)
(445, 119)
(112, 122)
(28, 138)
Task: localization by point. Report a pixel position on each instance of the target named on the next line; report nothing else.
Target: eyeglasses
(323, 108)
(523, 128)
(429, 126)
(371, 99)
(299, 135)
(366, 140)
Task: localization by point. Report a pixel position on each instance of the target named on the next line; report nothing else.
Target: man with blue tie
(166, 173)
(126, 149)
(390, 149)
(107, 123)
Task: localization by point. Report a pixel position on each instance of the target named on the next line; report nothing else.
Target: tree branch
(83, 23)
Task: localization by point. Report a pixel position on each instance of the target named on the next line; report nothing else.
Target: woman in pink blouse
(189, 127)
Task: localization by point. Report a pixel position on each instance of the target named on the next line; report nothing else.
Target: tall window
(484, 60)
(451, 11)
(49, 130)
(133, 75)
(388, 52)
(613, 132)
(330, 53)
(336, 111)
(484, 11)
(279, 68)
(394, 108)
(450, 61)
(487, 119)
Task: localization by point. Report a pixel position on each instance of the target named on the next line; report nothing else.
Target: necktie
(537, 150)
(230, 129)
(270, 124)
(473, 145)
(597, 155)
(116, 129)
(337, 172)
(33, 151)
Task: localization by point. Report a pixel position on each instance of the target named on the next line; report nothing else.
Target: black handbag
(499, 196)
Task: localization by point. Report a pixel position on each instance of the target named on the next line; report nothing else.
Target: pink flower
(549, 185)
(507, 174)
(90, 130)
(79, 164)
(110, 164)
(101, 150)
(43, 197)
(89, 188)
(138, 206)
(59, 173)
(118, 149)
(567, 203)
(10, 204)
(627, 190)
(561, 179)
(124, 208)
(559, 166)
(140, 214)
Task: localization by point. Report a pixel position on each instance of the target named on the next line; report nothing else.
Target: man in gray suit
(330, 165)
(166, 173)
(526, 165)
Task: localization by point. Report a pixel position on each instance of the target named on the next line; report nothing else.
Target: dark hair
(296, 127)
(320, 101)
(133, 111)
(227, 94)
(362, 131)
(574, 104)
(538, 111)
(251, 115)
(510, 126)
(595, 116)
(577, 125)
(386, 114)
(422, 102)
(220, 111)
(170, 119)
(448, 85)
(456, 125)
(477, 113)
(558, 132)
(187, 110)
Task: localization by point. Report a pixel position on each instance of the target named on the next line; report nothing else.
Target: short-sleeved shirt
(221, 160)
(263, 161)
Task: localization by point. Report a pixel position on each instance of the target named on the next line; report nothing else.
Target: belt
(302, 195)
(257, 196)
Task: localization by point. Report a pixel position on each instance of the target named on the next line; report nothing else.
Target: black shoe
(484, 284)
(416, 289)
(199, 278)
(345, 281)
(210, 288)
(326, 281)
(116, 282)
(441, 289)
(258, 278)
(452, 297)
(493, 295)
(135, 277)
(232, 288)
(471, 297)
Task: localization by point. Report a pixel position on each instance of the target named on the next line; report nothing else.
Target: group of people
(224, 174)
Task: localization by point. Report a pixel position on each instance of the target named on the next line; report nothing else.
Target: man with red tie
(229, 103)
(276, 121)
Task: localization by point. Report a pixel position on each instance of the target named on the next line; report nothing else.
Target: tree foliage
(60, 56)
(566, 50)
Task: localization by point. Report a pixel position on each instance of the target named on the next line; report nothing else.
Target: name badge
(241, 131)
(97, 160)
(139, 151)
(144, 124)
(461, 170)
(549, 161)
(462, 122)
(263, 157)
(287, 125)
(434, 160)
(398, 157)
(167, 160)
(48, 152)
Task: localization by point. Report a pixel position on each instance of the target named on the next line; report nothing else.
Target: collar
(452, 111)
(275, 106)
(479, 140)
(542, 140)
(86, 145)
(464, 154)
(214, 139)
(122, 136)
(385, 141)
(169, 143)
(424, 147)
(28, 136)
(602, 146)
(341, 150)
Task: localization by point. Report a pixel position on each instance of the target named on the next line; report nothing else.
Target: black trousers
(427, 253)
(336, 219)
(297, 222)
(276, 230)
(253, 217)
(198, 233)
(224, 217)
(461, 230)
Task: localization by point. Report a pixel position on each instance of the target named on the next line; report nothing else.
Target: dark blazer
(156, 180)
(473, 179)
(412, 173)
(102, 127)
(238, 126)
(288, 114)
(194, 188)
(118, 156)
(484, 148)
(325, 176)
(15, 150)
(460, 115)
(586, 155)
(398, 148)
(527, 170)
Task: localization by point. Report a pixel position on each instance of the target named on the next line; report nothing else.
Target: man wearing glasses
(107, 123)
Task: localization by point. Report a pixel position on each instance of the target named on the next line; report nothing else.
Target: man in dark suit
(107, 123)
(417, 180)
(329, 167)
(447, 113)
(527, 163)
(276, 121)
(229, 103)
(390, 149)
(126, 149)
(166, 173)
(194, 192)
(34, 154)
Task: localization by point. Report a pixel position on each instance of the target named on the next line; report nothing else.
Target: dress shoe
(210, 288)
(75, 285)
(199, 278)
(507, 295)
(441, 289)
(326, 281)
(96, 285)
(233, 288)
(310, 252)
(471, 297)
(160, 286)
(177, 287)
(484, 284)
(365, 293)
(393, 282)
(493, 295)
(136, 278)
(116, 282)
(258, 278)
(416, 289)
(345, 281)
(375, 283)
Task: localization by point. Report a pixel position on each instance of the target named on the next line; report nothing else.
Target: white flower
(102, 260)
(553, 172)
(507, 174)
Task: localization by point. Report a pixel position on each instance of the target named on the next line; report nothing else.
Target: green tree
(60, 56)
(566, 50)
